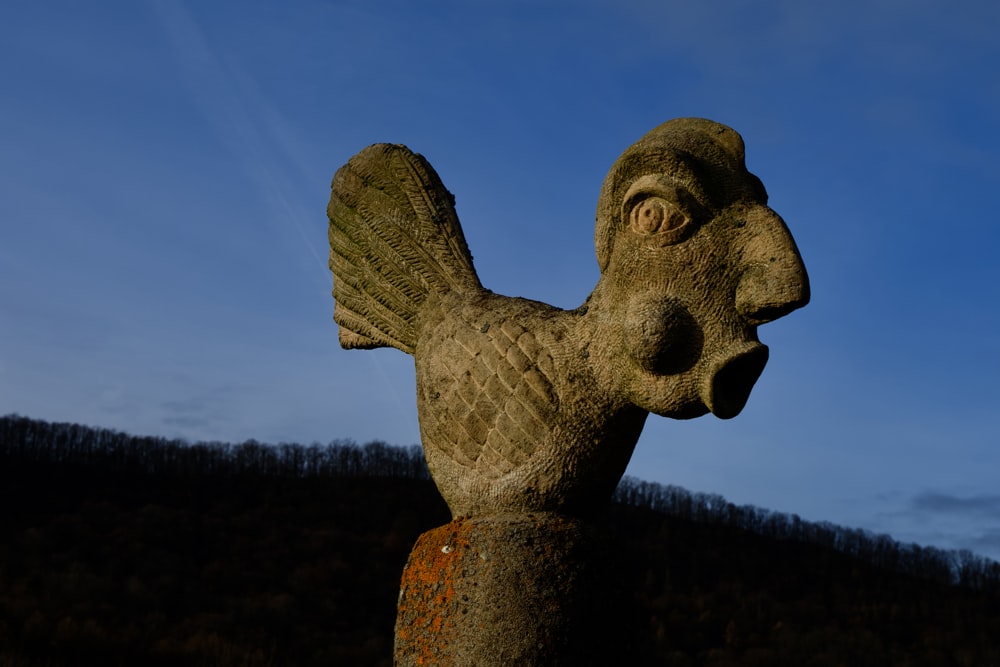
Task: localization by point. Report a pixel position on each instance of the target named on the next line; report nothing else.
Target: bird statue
(525, 407)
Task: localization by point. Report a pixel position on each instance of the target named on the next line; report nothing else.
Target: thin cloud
(945, 519)
(200, 417)
(188, 422)
(189, 416)
(987, 543)
(945, 503)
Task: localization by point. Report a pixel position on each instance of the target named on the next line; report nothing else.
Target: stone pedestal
(516, 589)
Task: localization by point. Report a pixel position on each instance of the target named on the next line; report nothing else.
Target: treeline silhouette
(125, 550)
(24, 440)
(958, 567)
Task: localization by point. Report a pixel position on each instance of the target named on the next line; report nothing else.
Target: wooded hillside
(122, 550)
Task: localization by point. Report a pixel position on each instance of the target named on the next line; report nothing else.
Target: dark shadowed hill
(116, 550)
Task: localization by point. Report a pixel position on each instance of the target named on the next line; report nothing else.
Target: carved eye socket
(656, 215)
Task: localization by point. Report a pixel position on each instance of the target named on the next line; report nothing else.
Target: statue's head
(692, 262)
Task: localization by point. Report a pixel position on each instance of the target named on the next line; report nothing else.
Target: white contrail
(243, 117)
(256, 133)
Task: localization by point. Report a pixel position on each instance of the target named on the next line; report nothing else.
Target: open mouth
(731, 376)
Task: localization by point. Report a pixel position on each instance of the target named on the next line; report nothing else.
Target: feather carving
(527, 407)
(394, 239)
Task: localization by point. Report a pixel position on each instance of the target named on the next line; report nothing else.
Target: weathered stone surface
(516, 589)
(529, 413)
(527, 407)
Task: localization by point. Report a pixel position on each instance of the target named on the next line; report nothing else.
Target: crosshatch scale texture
(530, 410)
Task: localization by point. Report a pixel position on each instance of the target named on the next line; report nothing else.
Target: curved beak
(774, 280)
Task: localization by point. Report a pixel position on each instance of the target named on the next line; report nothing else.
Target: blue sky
(165, 168)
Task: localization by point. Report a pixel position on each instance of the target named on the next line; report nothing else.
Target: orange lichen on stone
(515, 589)
(427, 593)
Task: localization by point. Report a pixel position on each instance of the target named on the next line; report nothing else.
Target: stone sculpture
(533, 411)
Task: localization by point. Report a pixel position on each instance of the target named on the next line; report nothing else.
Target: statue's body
(529, 413)
(526, 407)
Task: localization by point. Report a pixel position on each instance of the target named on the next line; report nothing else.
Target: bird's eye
(655, 215)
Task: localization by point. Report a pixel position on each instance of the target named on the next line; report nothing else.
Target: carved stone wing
(394, 239)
